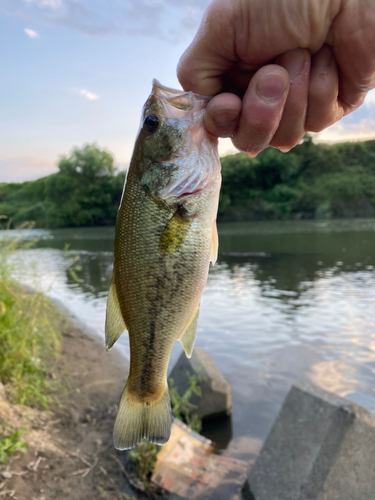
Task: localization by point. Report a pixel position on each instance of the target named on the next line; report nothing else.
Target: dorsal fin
(114, 322)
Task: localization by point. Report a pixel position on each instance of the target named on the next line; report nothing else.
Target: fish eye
(151, 122)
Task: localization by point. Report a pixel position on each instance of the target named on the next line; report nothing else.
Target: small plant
(181, 406)
(73, 266)
(11, 443)
(143, 459)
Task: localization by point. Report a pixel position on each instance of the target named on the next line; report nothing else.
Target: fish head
(176, 156)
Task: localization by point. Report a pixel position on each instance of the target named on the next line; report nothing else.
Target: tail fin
(136, 421)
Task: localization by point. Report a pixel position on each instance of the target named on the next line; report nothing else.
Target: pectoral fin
(214, 244)
(174, 233)
(187, 338)
(114, 322)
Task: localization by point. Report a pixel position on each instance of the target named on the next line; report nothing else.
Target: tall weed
(29, 333)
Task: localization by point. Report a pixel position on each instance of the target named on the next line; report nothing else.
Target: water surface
(286, 302)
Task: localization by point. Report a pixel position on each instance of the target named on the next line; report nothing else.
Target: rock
(216, 394)
(243, 448)
(321, 447)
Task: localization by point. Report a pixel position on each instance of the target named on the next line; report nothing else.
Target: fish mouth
(179, 99)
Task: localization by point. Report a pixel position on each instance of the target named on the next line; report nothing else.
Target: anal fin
(187, 338)
(114, 322)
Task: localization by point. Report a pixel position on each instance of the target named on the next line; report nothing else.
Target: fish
(165, 239)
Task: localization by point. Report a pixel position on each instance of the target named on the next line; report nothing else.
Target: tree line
(85, 191)
(311, 181)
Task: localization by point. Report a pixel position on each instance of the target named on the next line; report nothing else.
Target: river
(287, 301)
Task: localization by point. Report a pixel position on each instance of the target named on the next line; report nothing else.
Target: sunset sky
(79, 71)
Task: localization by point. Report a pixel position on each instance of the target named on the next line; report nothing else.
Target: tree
(82, 193)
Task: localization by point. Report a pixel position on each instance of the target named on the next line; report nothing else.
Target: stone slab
(216, 393)
(187, 466)
(321, 447)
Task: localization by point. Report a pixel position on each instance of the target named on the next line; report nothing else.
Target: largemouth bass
(165, 239)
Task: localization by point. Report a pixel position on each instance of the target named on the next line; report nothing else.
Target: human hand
(278, 68)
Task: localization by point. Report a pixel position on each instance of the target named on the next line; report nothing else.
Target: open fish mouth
(179, 99)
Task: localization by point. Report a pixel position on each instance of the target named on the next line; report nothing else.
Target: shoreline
(70, 452)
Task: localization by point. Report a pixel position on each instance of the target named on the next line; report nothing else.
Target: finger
(262, 108)
(292, 124)
(323, 108)
(353, 38)
(222, 115)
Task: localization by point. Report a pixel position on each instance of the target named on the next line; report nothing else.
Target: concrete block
(321, 447)
(216, 394)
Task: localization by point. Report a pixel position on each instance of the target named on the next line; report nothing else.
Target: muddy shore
(70, 453)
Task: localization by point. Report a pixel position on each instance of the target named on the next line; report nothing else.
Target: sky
(74, 72)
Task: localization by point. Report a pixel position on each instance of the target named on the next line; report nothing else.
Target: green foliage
(143, 456)
(312, 180)
(85, 191)
(181, 406)
(29, 337)
(10, 443)
(80, 194)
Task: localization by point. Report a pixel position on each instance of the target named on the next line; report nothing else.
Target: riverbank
(70, 452)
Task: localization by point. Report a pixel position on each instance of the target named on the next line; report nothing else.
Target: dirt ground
(70, 452)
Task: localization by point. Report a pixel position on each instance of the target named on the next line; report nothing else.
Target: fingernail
(271, 87)
(223, 118)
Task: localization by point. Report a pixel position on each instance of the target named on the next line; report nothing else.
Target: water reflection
(93, 270)
(334, 376)
(300, 309)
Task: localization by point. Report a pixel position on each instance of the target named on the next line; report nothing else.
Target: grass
(29, 336)
(11, 443)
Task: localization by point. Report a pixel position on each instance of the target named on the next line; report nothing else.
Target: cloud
(89, 95)
(25, 168)
(169, 20)
(341, 131)
(226, 148)
(370, 98)
(54, 4)
(31, 33)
